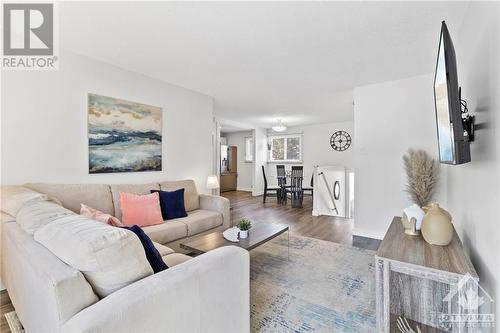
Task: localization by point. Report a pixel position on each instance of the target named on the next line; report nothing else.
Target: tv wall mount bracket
(468, 121)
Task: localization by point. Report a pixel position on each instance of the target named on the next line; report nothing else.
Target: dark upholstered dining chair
(281, 174)
(295, 189)
(310, 190)
(274, 191)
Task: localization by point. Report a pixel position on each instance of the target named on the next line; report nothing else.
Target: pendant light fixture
(279, 127)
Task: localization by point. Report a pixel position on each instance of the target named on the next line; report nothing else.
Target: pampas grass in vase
(422, 173)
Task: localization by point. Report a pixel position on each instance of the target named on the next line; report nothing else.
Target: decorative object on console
(422, 173)
(123, 136)
(412, 219)
(437, 228)
(172, 204)
(143, 210)
(99, 216)
(340, 140)
(231, 234)
(244, 225)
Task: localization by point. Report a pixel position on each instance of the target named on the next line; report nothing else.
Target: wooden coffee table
(258, 235)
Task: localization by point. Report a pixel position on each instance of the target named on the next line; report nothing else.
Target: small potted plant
(244, 225)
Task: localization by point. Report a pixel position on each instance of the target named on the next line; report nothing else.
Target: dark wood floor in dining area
(299, 220)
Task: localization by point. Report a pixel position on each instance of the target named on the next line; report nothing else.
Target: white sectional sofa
(206, 213)
(209, 293)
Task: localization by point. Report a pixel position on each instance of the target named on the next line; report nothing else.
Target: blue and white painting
(124, 136)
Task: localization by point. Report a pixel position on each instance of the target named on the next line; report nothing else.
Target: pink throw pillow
(142, 210)
(99, 216)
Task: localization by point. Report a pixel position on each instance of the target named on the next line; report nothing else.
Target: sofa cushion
(5, 218)
(41, 286)
(13, 198)
(166, 232)
(152, 254)
(191, 199)
(35, 215)
(175, 259)
(162, 249)
(72, 195)
(201, 220)
(172, 204)
(109, 257)
(140, 189)
(141, 210)
(97, 215)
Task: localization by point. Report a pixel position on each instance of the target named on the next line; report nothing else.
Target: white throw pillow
(13, 198)
(36, 214)
(109, 257)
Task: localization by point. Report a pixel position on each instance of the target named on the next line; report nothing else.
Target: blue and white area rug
(323, 287)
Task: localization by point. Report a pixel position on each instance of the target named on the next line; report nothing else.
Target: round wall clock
(340, 140)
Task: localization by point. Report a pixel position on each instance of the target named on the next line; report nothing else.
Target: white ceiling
(232, 129)
(264, 60)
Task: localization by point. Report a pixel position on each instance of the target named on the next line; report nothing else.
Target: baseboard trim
(244, 189)
(368, 233)
(258, 193)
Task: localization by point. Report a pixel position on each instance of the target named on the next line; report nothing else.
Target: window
(286, 148)
(248, 149)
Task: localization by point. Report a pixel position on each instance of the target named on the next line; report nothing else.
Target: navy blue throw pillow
(152, 254)
(172, 204)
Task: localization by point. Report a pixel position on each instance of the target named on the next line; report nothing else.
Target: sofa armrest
(217, 204)
(195, 296)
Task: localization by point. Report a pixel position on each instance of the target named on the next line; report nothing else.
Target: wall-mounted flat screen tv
(454, 147)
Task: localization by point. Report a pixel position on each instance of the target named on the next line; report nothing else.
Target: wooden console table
(414, 278)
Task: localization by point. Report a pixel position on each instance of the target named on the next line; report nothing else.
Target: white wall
(390, 118)
(44, 124)
(245, 169)
(260, 159)
(316, 149)
(473, 188)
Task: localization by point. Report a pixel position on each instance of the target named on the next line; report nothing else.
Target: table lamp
(212, 183)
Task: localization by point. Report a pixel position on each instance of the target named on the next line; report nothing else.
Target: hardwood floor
(299, 220)
(5, 307)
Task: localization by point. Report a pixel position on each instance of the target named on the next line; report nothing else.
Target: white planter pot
(243, 234)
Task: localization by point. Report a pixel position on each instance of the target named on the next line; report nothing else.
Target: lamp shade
(212, 182)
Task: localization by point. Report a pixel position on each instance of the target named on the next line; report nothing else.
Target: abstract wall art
(123, 136)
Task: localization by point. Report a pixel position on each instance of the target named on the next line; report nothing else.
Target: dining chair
(297, 171)
(310, 190)
(272, 190)
(281, 176)
(295, 189)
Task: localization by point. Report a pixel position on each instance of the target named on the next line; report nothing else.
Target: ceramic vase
(437, 228)
(243, 234)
